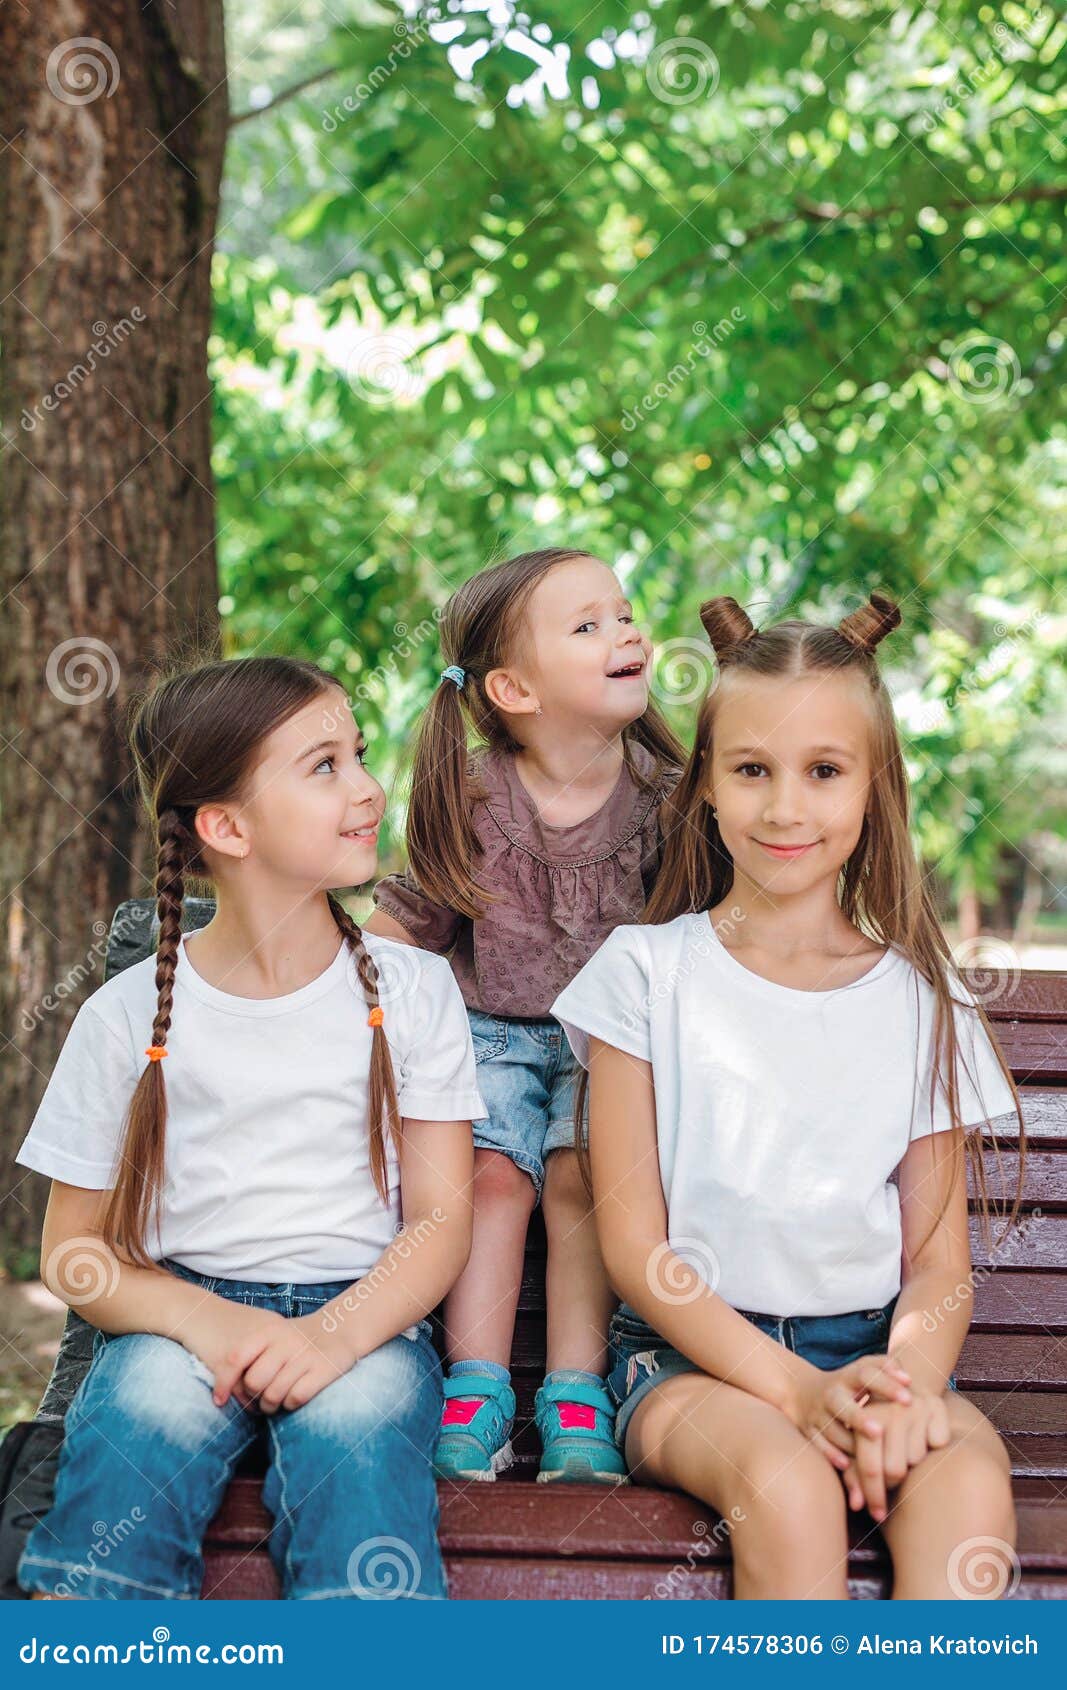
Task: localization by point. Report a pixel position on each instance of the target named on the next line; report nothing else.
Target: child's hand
(906, 1432)
(298, 1360)
(829, 1407)
(224, 1331)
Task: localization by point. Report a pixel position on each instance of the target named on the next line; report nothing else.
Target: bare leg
(951, 1521)
(480, 1308)
(580, 1300)
(784, 1503)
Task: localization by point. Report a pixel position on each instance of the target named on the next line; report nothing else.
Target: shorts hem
(97, 1584)
(529, 1164)
(666, 1370)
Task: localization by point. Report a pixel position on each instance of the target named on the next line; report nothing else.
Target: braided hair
(195, 737)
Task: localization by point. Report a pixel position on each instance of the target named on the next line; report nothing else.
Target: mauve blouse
(562, 889)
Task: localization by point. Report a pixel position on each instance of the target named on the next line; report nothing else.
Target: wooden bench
(518, 1540)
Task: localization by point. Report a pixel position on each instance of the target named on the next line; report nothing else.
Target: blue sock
(572, 1376)
(492, 1369)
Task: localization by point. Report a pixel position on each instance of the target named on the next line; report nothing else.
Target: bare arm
(107, 1291)
(933, 1311)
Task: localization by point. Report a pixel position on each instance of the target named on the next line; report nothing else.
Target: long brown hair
(482, 628)
(195, 738)
(881, 888)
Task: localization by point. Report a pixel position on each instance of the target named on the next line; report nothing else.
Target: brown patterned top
(562, 889)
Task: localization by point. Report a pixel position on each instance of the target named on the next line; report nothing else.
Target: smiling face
(310, 813)
(582, 655)
(790, 775)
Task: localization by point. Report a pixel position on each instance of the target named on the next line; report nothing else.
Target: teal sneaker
(576, 1422)
(475, 1437)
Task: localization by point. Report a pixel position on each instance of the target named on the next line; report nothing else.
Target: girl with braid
(785, 1072)
(260, 1150)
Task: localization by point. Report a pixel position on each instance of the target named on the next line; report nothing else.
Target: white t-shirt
(781, 1115)
(267, 1174)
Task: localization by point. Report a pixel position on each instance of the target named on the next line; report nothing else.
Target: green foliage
(757, 300)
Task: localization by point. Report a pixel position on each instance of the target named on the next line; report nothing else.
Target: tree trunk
(114, 126)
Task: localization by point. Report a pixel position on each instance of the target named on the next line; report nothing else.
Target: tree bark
(114, 122)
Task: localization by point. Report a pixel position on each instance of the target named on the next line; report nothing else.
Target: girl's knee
(499, 1180)
(565, 1193)
(153, 1387)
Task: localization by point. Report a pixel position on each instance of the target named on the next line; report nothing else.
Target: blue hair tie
(454, 673)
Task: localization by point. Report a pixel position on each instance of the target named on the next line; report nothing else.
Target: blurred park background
(309, 311)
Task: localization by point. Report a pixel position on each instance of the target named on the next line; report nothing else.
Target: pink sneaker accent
(460, 1413)
(576, 1415)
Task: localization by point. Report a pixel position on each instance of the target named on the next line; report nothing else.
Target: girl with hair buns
(524, 853)
(785, 1073)
(260, 1150)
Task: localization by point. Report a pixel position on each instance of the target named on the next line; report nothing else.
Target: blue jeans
(526, 1075)
(148, 1456)
(640, 1359)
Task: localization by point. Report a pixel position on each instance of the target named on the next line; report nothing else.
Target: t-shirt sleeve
(609, 998)
(76, 1132)
(984, 1093)
(433, 926)
(436, 1078)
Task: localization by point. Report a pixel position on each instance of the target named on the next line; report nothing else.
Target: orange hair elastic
(157, 1052)
(376, 1017)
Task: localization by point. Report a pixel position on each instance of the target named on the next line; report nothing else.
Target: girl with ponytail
(786, 1077)
(260, 1150)
(523, 854)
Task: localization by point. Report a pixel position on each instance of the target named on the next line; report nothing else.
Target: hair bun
(726, 624)
(868, 626)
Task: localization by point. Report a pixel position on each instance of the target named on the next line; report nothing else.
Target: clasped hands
(270, 1361)
(871, 1425)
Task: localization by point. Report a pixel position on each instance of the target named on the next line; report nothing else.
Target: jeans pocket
(489, 1035)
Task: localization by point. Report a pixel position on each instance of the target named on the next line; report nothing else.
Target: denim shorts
(527, 1075)
(639, 1360)
(148, 1454)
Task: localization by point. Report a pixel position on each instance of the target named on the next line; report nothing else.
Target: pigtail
(441, 837)
(135, 1199)
(383, 1108)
